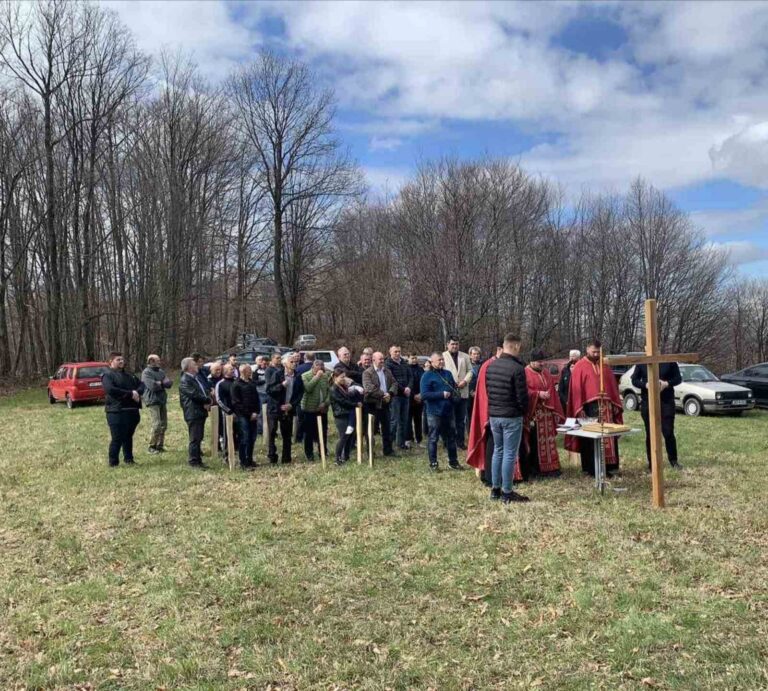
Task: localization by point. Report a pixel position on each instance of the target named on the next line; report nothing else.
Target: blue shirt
(434, 384)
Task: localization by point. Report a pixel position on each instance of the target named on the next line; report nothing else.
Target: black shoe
(152, 450)
(160, 449)
(676, 465)
(433, 467)
(248, 467)
(513, 497)
(310, 459)
(495, 493)
(130, 461)
(455, 466)
(392, 454)
(199, 466)
(113, 464)
(340, 461)
(273, 461)
(461, 446)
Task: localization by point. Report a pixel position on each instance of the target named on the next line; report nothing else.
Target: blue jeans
(507, 433)
(247, 433)
(398, 420)
(442, 426)
(460, 416)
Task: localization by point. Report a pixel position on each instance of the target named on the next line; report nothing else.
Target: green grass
(294, 578)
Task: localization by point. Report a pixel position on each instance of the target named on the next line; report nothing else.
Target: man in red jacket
(584, 400)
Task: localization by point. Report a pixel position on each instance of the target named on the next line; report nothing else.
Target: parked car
(701, 391)
(77, 382)
(754, 378)
(555, 367)
(247, 357)
(305, 341)
(329, 357)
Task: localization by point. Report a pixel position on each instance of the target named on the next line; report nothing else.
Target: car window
(325, 357)
(697, 374)
(91, 372)
(69, 373)
(60, 373)
(759, 371)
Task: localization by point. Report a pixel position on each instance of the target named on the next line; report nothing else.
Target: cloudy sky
(588, 94)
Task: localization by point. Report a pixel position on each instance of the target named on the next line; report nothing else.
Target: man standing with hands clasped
(156, 383)
(460, 367)
(195, 401)
(670, 377)
(507, 403)
(438, 392)
(123, 400)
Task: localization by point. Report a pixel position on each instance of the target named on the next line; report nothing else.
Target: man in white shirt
(460, 367)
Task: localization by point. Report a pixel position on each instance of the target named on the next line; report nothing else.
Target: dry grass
(292, 578)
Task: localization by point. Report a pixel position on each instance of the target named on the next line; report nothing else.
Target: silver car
(701, 391)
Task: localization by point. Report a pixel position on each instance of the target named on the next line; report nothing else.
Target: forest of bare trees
(144, 209)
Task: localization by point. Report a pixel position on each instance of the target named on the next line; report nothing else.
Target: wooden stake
(214, 431)
(370, 441)
(229, 421)
(264, 424)
(654, 404)
(359, 429)
(321, 437)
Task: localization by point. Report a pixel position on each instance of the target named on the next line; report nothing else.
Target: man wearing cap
(565, 378)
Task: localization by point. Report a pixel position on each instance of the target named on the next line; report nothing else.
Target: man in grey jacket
(156, 384)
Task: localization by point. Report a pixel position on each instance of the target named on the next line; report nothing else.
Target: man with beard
(585, 401)
(122, 403)
(538, 455)
(460, 367)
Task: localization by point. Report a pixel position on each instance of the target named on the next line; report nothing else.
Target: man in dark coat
(284, 393)
(123, 400)
(565, 378)
(195, 401)
(670, 377)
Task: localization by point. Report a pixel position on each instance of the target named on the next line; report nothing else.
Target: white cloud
(744, 155)
(385, 143)
(384, 180)
(203, 28)
(751, 221)
(744, 252)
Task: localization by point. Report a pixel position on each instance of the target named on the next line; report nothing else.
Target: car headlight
(749, 394)
(718, 395)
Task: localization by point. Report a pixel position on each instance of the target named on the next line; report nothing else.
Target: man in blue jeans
(399, 407)
(507, 403)
(438, 391)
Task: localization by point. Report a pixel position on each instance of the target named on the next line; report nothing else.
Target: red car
(76, 382)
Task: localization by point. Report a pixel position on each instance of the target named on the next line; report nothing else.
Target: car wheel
(630, 401)
(692, 407)
(70, 402)
(51, 399)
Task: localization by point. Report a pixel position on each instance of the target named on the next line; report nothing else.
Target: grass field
(159, 577)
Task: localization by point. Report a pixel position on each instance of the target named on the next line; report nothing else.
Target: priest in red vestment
(480, 448)
(584, 401)
(539, 457)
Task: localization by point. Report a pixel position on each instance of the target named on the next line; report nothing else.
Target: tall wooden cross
(653, 359)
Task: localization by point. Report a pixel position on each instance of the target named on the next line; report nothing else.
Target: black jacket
(506, 387)
(417, 372)
(119, 386)
(276, 392)
(353, 371)
(401, 371)
(245, 398)
(668, 372)
(192, 398)
(224, 395)
(343, 401)
(565, 382)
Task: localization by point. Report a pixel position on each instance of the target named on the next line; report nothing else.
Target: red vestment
(542, 417)
(478, 425)
(584, 388)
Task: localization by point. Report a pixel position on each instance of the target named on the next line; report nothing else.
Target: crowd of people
(509, 410)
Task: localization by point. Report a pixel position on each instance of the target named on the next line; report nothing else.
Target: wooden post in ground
(321, 437)
(264, 425)
(370, 441)
(652, 360)
(214, 431)
(359, 429)
(229, 421)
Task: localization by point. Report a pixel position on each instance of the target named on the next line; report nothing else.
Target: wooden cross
(653, 359)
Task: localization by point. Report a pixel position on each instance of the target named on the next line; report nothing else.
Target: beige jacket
(464, 372)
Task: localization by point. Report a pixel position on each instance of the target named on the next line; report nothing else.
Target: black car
(754, 378)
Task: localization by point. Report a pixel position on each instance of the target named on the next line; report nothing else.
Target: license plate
(740, 402)
(95, 384)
